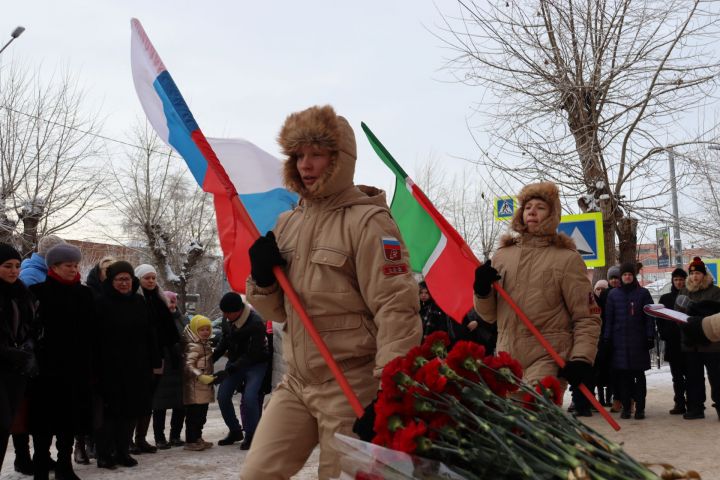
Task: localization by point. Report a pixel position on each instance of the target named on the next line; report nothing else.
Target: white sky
(243, 66)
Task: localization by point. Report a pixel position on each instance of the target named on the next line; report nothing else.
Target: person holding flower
(544, 274)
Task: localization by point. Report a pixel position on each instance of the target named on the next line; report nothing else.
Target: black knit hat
(231, 302)
(678, 273)
(119, 267)
(627, 267)
(8, 252)
(697, 265)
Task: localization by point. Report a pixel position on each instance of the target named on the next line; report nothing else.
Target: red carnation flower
(415, 358)
(547, 387)
(463, 359)
(406, 439)
(503, 373)
(435, 344)
(391, 375)
(430, 376)
(389, 412)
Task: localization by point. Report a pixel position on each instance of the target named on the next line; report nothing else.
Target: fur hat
(613, 272)
(199, 321)
(628, 267)
(121, 266)
(48, 242)
(697, 265)
(8, 252)
(679, 273)
(144, 269)
(231, 302)
(322, 127)
(549, 193)
(62, 252)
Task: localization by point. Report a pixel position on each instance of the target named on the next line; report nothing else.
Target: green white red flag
(436, 249)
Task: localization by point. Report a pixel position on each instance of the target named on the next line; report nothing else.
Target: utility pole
(676, 217)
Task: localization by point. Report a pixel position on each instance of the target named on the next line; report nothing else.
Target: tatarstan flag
(436, 249)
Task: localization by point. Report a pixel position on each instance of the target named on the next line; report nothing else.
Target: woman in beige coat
(543, 272)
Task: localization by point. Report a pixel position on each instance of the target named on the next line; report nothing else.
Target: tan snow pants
(298, 417)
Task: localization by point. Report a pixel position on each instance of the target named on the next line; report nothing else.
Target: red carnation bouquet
(463, 414)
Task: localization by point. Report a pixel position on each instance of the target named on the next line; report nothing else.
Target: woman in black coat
(167, 339)
(59, 398)
(126, 356)
(17, 341)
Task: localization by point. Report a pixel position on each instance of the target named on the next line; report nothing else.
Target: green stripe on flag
(419, 231)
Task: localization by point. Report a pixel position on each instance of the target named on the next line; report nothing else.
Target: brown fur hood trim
(322, 127)
(546, 191)
(560, 240)
(707, 281)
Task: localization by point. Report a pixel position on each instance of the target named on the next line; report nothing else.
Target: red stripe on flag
(235, 241)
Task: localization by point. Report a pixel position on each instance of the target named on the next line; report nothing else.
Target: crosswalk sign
(712, 266)
(586, 230)
(505, 208)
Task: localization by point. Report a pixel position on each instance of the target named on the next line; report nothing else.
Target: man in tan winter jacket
(339, 251)
(545, 275)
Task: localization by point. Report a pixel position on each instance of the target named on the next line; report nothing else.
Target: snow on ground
(660, 438)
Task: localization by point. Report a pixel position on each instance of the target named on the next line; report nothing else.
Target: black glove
(264, 255)
(485, 275)
(31, 368)
(693, 334)
(364, 427)
(650, 343)
(18, 358)
(576, 372)
(219, 377)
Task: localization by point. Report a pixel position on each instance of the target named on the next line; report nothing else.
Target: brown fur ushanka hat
(546, 191)
(322, 127)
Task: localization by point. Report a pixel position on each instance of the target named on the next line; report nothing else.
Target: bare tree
(587, 94)
(50, 157)
(164, 212)
(467, 203)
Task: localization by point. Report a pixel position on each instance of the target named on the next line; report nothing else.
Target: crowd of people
(98, 363)
(94, 364)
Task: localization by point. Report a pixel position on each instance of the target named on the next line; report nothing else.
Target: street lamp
(15, 34)
(676, 217)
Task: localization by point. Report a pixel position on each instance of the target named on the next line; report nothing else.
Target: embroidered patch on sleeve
(395, 269)
(391, 249)
(594, 307)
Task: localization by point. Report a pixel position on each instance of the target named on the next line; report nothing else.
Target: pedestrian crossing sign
(712, 267)
(505, 208)
(586, 230)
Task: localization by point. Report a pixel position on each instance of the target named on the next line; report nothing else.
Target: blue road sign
(586, 230)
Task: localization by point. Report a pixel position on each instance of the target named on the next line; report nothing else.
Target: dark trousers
(176, 423)
(581, 402)
(113, 437)
(697, 363)
(678, 370)
(4, 437)
(632, 386)
(43, 441)
(252, 378)
(195, 418)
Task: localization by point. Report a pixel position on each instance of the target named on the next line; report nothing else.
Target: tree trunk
(627, 236)
(29, 236)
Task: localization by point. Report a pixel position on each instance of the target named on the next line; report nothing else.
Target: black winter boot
(64, 470)
(80, 453)
(232, 437)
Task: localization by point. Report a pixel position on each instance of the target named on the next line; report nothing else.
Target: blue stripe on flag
(387, 241)
(264, 208)
(181, 124)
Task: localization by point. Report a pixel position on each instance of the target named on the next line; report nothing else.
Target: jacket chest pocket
(330, 271)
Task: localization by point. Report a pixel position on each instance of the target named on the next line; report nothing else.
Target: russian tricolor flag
(223, 167)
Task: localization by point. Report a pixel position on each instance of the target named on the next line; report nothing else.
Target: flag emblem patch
(391, 249)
